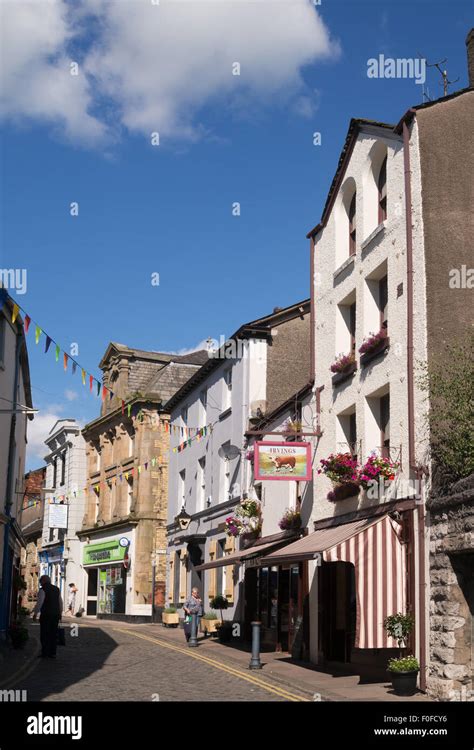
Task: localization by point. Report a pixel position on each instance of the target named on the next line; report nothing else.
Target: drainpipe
(6, 568)
(312, 315)
(414, 467)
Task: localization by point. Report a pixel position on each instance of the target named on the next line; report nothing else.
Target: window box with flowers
(246, 521)
(290, 521)
(343, 471)
(377, 468)
(373, 345)
(343, 368)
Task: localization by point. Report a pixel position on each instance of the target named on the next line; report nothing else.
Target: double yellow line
(252, 679)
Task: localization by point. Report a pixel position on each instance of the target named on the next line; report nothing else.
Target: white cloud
(38, 431)
(150, 67)
(35, 77)
(204, 344)
(71, 395)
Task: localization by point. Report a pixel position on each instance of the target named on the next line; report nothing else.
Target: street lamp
(183, 519)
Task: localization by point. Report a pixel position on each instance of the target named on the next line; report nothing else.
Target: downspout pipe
(312, 312)
(414, 467)
(6, 568)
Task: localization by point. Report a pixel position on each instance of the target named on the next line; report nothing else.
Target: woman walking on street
(192, 606)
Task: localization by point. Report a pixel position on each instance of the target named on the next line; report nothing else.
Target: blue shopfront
(52, 563)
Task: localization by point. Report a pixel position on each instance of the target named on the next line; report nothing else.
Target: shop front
(277, 596)
(106, 566)
(52, 564)
(359, 578)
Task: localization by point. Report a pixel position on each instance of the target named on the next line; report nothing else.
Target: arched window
(382, 188)
(352, 225)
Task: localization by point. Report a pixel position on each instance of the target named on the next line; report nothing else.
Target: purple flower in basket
(373, 341)
(343, 362)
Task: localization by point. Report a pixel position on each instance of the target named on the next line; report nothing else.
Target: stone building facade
(127, 479)
(452, 593)
(31, 528)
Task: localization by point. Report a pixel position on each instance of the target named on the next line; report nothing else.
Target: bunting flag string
(137, 470)
(39, 332)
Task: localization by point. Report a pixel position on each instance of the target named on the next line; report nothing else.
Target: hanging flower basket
(291, 521)
(343, 491)
(343, 471)
(376, 468)
(246, 521)
(340, 467)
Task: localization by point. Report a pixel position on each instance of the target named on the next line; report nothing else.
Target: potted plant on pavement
(225, 627)
(403, 670)
(210, 623)
(170, 616)
(18, 634)
(404, 674)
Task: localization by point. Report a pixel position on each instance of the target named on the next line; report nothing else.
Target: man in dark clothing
(50, 607)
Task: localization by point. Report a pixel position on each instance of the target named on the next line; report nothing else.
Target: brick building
(31, 527)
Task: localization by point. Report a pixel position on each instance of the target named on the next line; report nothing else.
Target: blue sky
(167, 209)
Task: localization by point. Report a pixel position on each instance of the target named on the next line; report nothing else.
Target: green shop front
(106, 565)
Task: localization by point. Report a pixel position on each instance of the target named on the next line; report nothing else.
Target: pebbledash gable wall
(452, 593)
(446, 145)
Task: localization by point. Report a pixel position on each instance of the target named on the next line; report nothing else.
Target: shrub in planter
(170, 616)
(219, 602)
(404, 673)
(210, 623)
(343, 363)
(290, 521)
(399, 627)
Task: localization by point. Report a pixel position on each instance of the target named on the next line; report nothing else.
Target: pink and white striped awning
(375, 549)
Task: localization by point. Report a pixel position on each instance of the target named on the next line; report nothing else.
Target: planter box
(343, 491)
(369, 356)
(170, 619)
(209, 626)
(404, 683)
(340, 377)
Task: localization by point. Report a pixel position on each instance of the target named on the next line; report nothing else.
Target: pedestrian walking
(71, 599)
(49, 607)
(192, 606)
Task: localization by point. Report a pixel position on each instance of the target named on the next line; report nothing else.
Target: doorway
(91, 604)
(337, 611)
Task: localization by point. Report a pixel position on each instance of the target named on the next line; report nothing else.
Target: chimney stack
(470, 56)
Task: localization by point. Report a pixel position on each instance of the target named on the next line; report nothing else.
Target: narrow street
(118, 662)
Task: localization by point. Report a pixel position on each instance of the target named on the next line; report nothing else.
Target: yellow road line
(281, 692)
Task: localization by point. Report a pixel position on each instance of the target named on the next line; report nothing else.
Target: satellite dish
(229, 452)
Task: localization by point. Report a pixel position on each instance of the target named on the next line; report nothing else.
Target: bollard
(255, 662)
(193, 640)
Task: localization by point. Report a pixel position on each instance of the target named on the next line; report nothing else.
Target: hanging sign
(283, 461)
(57, 516)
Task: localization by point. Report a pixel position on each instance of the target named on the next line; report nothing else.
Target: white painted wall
(66, 437)
(386, 252)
